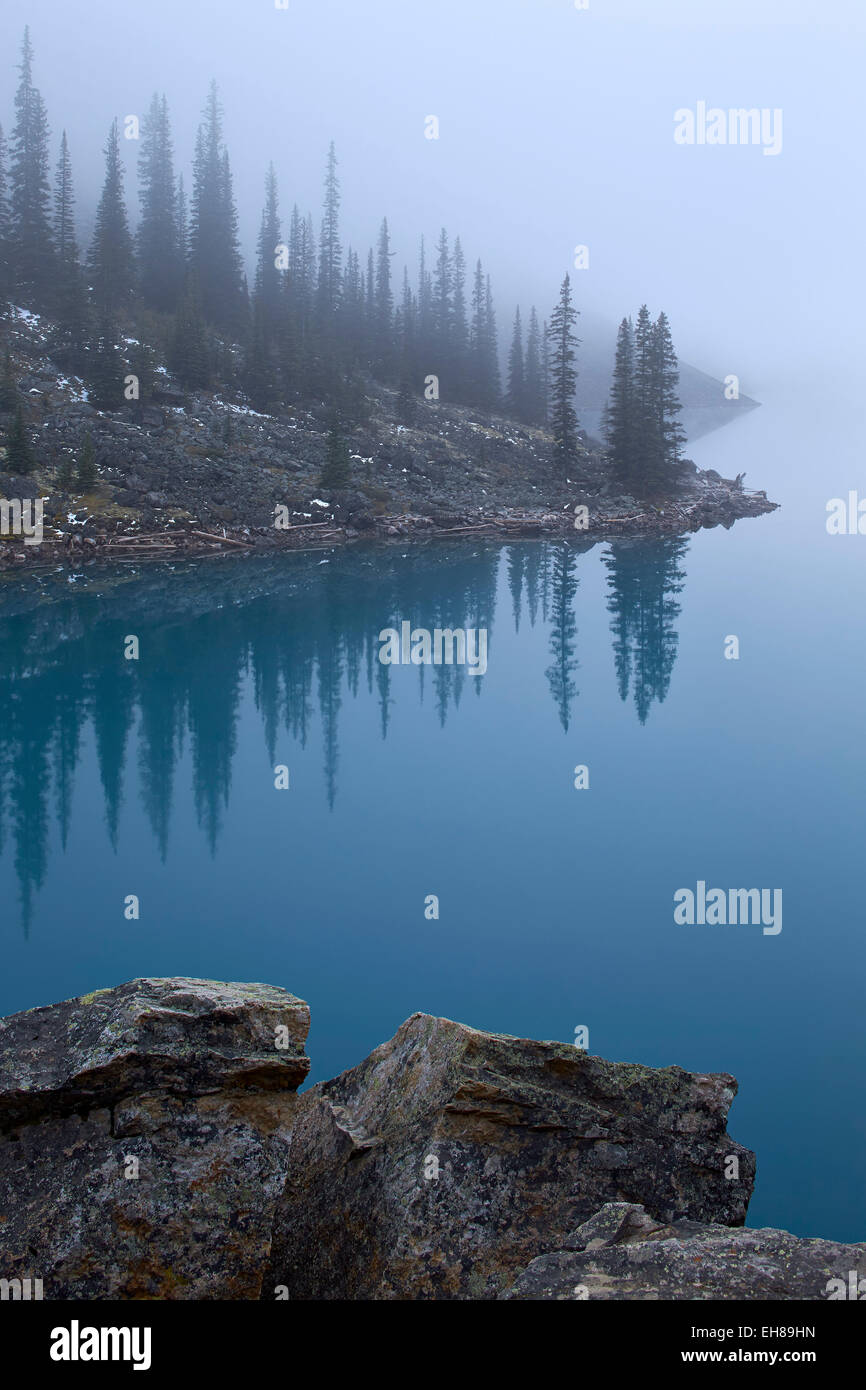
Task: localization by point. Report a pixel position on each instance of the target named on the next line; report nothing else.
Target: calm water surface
(556, 906)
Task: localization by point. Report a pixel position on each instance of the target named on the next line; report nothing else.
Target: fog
(556, 129)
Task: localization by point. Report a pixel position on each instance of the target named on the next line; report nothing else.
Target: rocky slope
(181, 464)
(152, 1146)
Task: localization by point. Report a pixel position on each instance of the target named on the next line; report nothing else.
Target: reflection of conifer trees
(563, 630)
(112, 702)
(534, 571)
(162, 700)
(516, 570)
(642, 578)
(294, 629)
(215, 651)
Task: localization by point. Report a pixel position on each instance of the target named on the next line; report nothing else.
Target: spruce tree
(5, 225)
(214, 253)
(459, 326)
(159, 238)
(515, 398)
(384, 312)
(111, 262)
(647, 433)
(8, 386)
(19, 455)
(269, 278)
(563, 377)
(535, 403)
(666, 381)
(70, 291)
(30, 227)
(188, 356)
(337, 471)
(86, 473)
(619, 417)
(330, 251)
(441, 308)
(492, 381)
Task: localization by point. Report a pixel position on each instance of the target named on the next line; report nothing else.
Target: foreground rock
(152, 1146)
(623, 1253)
(142, 1138)
(438, 1167)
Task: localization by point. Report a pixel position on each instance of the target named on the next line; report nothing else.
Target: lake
(156, 778)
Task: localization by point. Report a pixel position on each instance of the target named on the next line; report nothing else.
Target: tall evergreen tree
(70, 295)
(30, 227)
(459, 326)
(269, 278)
(111, 263)
(337, 471)
(492, 377)
(5, 225)
(534, 385)
(441, 307)
(384, 317)
(214, 251)
(161, 252)
(563, 374)
(515, 398)
(330, 250)
(188, 352)
(666, 381)
(19, 454)
(620, 425)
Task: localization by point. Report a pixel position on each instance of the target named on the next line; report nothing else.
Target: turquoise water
(156, 778)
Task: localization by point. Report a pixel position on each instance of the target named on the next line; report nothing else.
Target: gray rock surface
(143, 1138)
(523, 1141)
(623, 1253)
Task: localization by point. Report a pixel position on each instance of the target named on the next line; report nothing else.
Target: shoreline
(180, 540)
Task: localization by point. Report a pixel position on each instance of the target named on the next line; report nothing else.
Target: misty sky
(556, 129)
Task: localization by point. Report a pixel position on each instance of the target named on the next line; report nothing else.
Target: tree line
(316, 320)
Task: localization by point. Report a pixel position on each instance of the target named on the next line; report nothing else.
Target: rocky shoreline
(120, 542)
(190, 473)
(153, 1146)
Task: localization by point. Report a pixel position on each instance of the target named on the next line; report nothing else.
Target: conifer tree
(535, 404)
(269, 278)
(492, 381)
(161, 252)
(425, 302)
(515, 399)
(30, 227)
(666, 381)
(70, 292)
(459, 327)
(86, 473)
(337, 471)
(5, 225)
(105, 370)
(19, 455)
(619, 417)
(111, 262)
(214, 253)
(188, 353)
(384, 315)
(330, 250)
(441, 307)
(563, 377)
(8, 386)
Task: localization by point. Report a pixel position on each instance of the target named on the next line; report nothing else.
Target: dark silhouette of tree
(30, 225)
(563, 377)
(643, 577)
(161, 236)
(563, 631)
(111, 262)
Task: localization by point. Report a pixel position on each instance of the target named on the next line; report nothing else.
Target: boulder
(143, 1138)
(449, 1158)
(623, 1253)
